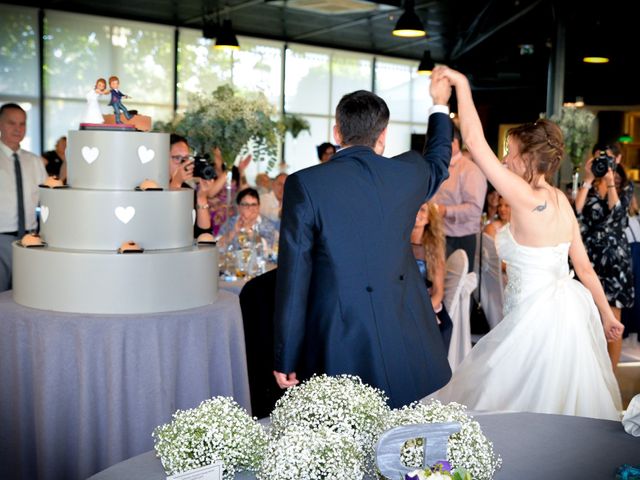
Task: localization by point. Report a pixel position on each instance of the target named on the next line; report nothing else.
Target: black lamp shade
(426, 64)
(409, 24)
(226, 38)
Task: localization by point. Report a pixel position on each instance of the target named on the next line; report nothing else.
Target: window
(19, 66)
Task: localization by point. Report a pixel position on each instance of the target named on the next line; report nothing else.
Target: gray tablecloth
(83, 392)
(532, 446)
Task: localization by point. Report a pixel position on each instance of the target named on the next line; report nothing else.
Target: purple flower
(444, 465)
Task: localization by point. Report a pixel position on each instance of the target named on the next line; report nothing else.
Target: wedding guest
(602, 204)
(429, 245)
(263, 183)
(271, 202)
(503, 216)
(460, 199)
(326, 150)
(20, 174)
(55, 158)
(490, 209)
(181, 176)
(248, 220)
(222, 208)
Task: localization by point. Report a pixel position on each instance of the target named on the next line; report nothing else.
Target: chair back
(491, 282)
(458, 285)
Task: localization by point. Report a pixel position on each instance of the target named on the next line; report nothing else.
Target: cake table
(82, 392)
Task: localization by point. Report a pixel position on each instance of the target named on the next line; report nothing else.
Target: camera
(602, 164)
(202, 168)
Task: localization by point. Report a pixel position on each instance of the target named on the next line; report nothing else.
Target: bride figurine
(549, 353)
(92, 112)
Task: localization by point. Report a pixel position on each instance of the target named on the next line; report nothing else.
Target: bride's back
(549, 222)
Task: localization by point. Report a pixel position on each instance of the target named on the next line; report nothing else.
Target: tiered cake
(80, 270)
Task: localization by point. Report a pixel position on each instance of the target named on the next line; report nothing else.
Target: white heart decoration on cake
(193, 216)
(44, 213)
(125, 214)
(145, 154)
(90, 154)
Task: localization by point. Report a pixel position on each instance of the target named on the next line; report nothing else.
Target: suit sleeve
(437, 154)
(294, 275)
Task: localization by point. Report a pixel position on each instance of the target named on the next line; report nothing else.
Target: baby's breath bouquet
(468, 449)
(300, 452)
(218, 429)
(342, 404)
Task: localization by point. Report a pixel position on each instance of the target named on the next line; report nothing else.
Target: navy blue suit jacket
(349, 296)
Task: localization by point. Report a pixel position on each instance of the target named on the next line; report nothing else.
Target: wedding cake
(79, 268)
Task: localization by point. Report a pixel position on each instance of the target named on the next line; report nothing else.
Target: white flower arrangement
(343, 404)
(302, 453)
(468, 449)
(218, 429)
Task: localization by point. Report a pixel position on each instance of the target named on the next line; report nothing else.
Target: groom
(349, 297)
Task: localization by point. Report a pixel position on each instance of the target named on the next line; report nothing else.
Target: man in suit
(116, 99)
(349, 297)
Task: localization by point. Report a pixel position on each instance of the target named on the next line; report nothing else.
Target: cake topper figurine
(92, 113)
(116, 99)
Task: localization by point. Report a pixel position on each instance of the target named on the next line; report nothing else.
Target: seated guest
(181, 176)
(271, 202)
(326, 150)
(429, 245)
(248, 219)
(490, 209)
(503, 217)
(55, 159)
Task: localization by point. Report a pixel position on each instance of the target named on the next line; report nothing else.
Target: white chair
(458, 285)
(491, 282)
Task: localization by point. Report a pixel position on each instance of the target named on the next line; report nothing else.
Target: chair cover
(491, 282)
(458, 285)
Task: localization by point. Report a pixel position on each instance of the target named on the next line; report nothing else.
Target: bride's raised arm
(515, 189)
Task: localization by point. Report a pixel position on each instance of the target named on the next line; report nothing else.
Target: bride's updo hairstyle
(541, 147)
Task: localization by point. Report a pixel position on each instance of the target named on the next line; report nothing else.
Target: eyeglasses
(243, 204)
(180, 158)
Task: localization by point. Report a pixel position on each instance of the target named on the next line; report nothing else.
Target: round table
(532, 446)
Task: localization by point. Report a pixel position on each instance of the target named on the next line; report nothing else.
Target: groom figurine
(116, 99)
(349, 296)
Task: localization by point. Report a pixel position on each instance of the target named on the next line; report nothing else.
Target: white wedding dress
(549, 353)
(92, 113)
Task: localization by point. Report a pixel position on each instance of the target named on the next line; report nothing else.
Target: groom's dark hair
(361, 117)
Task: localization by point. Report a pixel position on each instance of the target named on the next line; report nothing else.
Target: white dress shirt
(270, 207)
(33, 174)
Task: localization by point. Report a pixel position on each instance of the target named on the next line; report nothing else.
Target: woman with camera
(181, 174)
(602, 204)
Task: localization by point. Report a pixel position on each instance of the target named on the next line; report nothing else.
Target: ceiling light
(409, 24)
(226, 38)
(426, 64)
(625, 138)
(595, 59)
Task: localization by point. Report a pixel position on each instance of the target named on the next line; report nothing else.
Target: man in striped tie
(20, 174)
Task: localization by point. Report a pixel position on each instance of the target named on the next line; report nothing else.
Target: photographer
(181, 175)
(601, 204)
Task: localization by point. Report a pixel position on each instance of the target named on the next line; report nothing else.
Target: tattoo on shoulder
(540, 208)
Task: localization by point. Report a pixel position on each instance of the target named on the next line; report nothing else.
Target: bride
(92, 113)
(549, 353)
